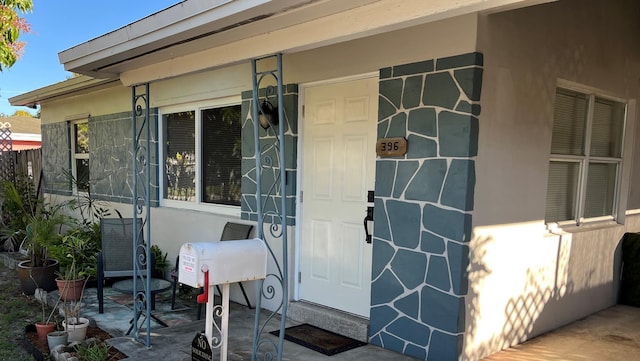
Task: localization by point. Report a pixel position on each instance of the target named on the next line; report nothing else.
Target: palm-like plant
(43, 228)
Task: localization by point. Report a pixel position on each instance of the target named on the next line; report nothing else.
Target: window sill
(233, 211)
(555, 228)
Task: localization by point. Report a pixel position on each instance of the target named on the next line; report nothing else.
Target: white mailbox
(226, 261)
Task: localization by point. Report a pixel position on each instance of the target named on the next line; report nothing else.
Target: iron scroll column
(275, 193)
(141, 167)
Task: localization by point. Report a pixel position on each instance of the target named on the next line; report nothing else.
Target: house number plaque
(391, 147)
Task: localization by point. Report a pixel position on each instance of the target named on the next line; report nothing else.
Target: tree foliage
(22, 113)
(11, 26)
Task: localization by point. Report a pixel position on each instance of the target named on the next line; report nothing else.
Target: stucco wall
(107, 101)
(523, 280)
(425, 43)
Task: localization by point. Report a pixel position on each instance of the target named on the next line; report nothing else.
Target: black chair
(116, 256)
(230, 232)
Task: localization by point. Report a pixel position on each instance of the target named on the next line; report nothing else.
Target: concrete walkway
(612, 334)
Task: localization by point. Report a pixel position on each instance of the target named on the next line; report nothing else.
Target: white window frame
(198, 205)
(623, 174)
(75, 156)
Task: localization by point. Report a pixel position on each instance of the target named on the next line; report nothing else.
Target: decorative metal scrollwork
(271, 207)
(141, 136)
(216, 341)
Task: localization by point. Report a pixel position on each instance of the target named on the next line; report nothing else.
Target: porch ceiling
(230, 31)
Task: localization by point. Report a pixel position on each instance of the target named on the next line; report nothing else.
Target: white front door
(339, 136)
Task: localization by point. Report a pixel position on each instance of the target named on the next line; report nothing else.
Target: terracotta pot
(45, 277)
(70, 290)
(44, 328)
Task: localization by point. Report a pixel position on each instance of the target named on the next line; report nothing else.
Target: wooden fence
(22, 163)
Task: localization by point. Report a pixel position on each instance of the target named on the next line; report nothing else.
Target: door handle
(368, 218)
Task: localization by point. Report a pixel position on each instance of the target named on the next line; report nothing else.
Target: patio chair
(230, 232)
(116, 256)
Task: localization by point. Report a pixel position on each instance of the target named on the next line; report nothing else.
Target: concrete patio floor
(174, 343)
(611, 334)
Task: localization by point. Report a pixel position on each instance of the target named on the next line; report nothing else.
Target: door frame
(300, 167)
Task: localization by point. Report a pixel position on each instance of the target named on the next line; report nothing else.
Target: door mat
(317, 339)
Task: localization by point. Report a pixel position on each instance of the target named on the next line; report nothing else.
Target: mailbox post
(207, 264)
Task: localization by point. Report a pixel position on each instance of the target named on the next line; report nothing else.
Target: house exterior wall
(424, 205)
(523, 279)
(468, 269)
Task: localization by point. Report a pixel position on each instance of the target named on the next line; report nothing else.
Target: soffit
(230, 31)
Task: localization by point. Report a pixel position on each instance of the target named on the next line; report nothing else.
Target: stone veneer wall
(56, 157)
(269, 175)
(423, 205)
(111, 158)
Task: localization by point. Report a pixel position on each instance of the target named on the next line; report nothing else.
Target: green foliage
(76, 254)
(11, 26)
(15, 214)
(93, 352)
(43, 222)
(16, 311)
(160, 258)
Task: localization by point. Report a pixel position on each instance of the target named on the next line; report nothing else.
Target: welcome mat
(317, 339)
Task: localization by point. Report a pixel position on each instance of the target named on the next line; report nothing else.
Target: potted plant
(45, 325)
(13, 215)
(43, 224)
(46, 328)
(76, 254)
(75, 325)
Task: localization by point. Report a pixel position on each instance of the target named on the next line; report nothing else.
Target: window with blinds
(203, 154)
(80, 166)
(586, 157)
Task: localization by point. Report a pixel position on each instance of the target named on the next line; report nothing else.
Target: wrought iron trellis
(141, 209)
(273, 139)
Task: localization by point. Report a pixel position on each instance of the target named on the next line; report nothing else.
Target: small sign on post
(200, 348)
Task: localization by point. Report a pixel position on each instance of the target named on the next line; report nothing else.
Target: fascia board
(180, 22)
(367, 20)
(70, 86)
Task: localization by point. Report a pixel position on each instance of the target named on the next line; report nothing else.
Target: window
(80, 155)
(203, 154)
(586, 157)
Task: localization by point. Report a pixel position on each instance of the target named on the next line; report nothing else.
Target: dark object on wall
(630, 283)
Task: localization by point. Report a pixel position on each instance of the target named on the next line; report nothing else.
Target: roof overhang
(192, 26)
(71, 86)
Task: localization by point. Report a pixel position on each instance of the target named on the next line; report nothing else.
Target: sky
(57, 25)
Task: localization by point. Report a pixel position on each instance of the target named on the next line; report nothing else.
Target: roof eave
(67, 87)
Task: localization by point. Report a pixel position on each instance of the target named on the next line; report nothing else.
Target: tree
(22, 113)
(11, 26)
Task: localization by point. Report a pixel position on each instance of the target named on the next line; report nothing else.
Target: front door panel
(339, 165)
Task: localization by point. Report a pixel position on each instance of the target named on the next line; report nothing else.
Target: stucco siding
(108, 101)
(525, 280)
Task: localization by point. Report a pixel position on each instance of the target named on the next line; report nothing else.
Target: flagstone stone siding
(423, 204)
(110, 157)
(271, 197)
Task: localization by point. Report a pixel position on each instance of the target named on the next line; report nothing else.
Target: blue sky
(57, 25)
